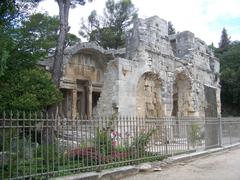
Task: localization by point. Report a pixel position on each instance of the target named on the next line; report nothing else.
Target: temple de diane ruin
(155, 75)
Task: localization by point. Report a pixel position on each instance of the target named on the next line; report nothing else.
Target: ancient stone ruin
(155, 75)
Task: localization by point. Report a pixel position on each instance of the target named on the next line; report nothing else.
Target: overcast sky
(205, 18)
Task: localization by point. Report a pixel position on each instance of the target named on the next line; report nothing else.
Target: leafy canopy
(230, 78)
(109, 30)
(171, 29)
(224, 41)
(23, 85)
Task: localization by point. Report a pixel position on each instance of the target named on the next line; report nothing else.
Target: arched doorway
(148, 101)
(182, 106)
(182, 90)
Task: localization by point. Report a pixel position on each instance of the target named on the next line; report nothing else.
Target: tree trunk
(59, 52)
(64, 5)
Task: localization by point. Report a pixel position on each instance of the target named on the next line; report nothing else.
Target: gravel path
(223, 165)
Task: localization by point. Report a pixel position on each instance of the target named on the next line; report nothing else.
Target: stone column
(89, 110)
(74, 103)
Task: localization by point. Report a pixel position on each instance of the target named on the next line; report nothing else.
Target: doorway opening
(95, 98)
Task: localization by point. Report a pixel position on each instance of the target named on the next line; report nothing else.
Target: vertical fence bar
(67, 141)
(113, 139)
(10, 144)
(98, 142)
(135, 126)
(231, 132)
(82, 138)
(53, 141)
(47, 143)
(205, 133)
(126, 130)
(24, 119)
(165, 139)
(41, 135)
(35, 155)
(3, 144)
(57, 143)
(62, 140)
(125, 139)
(220, 131)
(30, 146)
(144, 131)
(78, 145)
(17, 144)
(90, 136)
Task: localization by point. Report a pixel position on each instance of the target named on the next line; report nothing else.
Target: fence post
(220, 130)
(165, 139)
(205, 133)
(230, 133)
(188, 125)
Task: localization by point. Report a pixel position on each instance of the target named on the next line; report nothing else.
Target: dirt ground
(223, 165)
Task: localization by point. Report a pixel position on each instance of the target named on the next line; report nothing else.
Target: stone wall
(108, 103)
(185, 67)
(155, 75)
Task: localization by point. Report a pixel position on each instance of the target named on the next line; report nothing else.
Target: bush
(141, 141)
(103, 141)
(195, 134)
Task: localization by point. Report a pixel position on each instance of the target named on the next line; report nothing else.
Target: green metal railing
(40, 146)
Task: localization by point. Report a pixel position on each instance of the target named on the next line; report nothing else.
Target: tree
(224, 41)
(23, 85)
(7, 14)
(28, 90)
(109, 31)
(12, 12)
(171, 29)
(40, 32)
(230, 77)
(64, 7)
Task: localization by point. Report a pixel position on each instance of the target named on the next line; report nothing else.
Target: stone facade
(156, 75)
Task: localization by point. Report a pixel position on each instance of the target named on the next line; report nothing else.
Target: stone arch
(148, 99)
(182, 95)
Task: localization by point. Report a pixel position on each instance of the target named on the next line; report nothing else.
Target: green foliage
(23, 85)
(142, 140)
(229, 56)
(230, 77)
(38, 35)
(194, 134)
(171, 29)
(103, 141)
(4, 53)
(7, 12)
(108, 37)
(121, 148)
(71, 39)
(29, 90)
(29, 158)
(224, 41)
(108, 31)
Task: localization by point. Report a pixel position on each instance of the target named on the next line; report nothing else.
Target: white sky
(205, 18)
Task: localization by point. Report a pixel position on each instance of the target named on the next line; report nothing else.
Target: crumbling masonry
(156, 75)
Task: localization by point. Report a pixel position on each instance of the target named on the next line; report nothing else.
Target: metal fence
(34, 146)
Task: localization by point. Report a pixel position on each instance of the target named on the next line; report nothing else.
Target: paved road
(223, 165)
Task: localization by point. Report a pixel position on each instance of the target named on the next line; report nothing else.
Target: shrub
(141, 141)
(195, 134)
